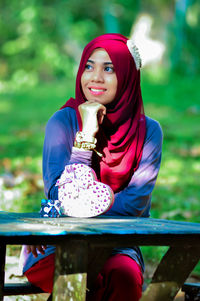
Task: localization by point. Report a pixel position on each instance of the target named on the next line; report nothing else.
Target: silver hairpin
(135, 54)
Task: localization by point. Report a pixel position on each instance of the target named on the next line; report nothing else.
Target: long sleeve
(135, 199)
(58, 150)
(59, 137)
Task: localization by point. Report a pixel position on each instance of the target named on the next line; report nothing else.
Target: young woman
(105, 128)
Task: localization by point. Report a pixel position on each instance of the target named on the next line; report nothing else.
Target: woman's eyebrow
(108, 63)
(105, 63)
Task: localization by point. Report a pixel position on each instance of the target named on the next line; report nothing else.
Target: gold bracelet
(81, 141)
(84, 145)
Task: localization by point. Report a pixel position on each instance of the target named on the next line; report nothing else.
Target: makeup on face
(99, 80)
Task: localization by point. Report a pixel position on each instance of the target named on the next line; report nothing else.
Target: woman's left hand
(33, 249)
(92, 114)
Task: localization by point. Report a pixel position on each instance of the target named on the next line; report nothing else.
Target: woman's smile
(96, 90)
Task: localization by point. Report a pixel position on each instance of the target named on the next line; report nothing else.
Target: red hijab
(121, 136)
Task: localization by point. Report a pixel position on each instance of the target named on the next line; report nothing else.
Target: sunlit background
(40, 48)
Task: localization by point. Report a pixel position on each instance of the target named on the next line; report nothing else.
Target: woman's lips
(97, 90)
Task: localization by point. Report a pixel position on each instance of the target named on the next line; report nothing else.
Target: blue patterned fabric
(50, 208)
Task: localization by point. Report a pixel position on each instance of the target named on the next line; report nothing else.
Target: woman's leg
(120, 279)
(42, 273)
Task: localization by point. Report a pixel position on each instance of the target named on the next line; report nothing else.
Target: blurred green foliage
(42, 40)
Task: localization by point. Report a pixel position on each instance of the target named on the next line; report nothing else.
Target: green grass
(175, 103)
(23, 118)
(172, 100)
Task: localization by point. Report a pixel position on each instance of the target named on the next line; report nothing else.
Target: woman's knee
(120, 279)
(122, 268)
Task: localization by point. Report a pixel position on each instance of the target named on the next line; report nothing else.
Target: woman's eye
(88, 67)
(109, 69)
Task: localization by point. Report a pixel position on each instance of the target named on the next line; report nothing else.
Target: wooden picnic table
(82, 245)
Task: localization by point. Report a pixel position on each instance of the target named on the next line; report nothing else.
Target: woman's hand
(92, 114)
(34, 248)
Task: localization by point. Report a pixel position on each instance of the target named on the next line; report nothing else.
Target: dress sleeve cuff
(81, 156)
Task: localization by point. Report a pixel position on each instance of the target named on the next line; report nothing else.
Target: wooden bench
(82, 243)
(14, 289)
(191, 290)
(11, 289)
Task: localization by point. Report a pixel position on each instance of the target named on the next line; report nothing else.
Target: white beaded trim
(135, 53)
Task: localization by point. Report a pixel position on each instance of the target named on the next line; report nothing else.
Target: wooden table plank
(158, 232)
(77, 238)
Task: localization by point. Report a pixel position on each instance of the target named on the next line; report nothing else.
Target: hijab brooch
(135, 54)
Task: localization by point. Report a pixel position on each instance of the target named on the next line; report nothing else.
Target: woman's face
(99, 80)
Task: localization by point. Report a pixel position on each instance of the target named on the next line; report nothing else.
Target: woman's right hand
(33, 249)
(92, 114)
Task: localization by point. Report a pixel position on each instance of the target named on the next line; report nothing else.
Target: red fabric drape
(121, 136)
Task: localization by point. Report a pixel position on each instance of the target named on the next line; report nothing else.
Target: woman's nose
(97, 76)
